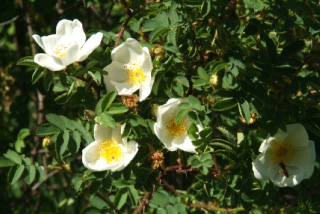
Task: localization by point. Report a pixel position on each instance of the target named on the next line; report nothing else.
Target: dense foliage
(247, 68)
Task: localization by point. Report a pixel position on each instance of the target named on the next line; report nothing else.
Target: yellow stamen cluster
(282, 152)
(60, 51)
(110, 151)
(177, 129)
(135, 74)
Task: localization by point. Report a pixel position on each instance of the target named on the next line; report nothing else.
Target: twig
(10, 21)
(63, 11)
(44, 180)
(94, 10)
(130, 15)
(105, 199)
(213, 207)
(108, 12)
(169, 186)
(144, 202)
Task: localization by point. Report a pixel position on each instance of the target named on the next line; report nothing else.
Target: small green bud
(157, 51)
(154, 110)
(47, 142)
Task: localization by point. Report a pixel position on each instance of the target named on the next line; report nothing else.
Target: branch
(44, 180)
(108, 202)
(108, 12)
(130, 15)
(63, 11)
(213, 207)
(94, 10)
(144, 202)
(10, 21)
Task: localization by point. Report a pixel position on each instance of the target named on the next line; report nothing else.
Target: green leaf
(31, 174)
(205, 157)
(293, 48)
(156, 33)
(181, 114)
(203, 74)
(192, 132)
(223, 144)
(192, 116)
(41, 172)
(47, 129)
(183, 80)
(133, 193)
(15, 173)
(173, 17)
(117, 108)
(5, 162)
(120, 198)
(207, 163)
(272, 50)
(186, 106)
(13, 156)
(177, 87)
(244, 110)
(171, 210)
(106, 120)
(62, 142)
(161, 210)
(28, 61)
(47, 80)
(224, 104)
(37, 74)
(56, 120)
(194, 161)
(172, 36)
(195, 103)
(160, 198)
(105, 102)
(227, 133)
(77, 139)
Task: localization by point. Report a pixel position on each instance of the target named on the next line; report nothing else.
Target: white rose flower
(109, 151)
(287, 157)
(130, 70)
(173, 136)
(67, 46)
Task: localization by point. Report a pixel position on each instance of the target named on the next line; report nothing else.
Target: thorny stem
(130, 15)
(105, 199)
(144, 202)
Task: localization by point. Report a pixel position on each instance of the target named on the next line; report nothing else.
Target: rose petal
(121, 54)
(297, 135)
(72, 54)
(49, 62)
(116, 72)
(92, 43)
(102, 133)
(146, 88)
(164, 136)
(187, 145)
(122, 88)
(147, 62)
(70, 31)
(260, 167)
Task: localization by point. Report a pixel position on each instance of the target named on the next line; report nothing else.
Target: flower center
(135, 73)
(177, 129)
(110, 151)
(282, 152)
(60, 50)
